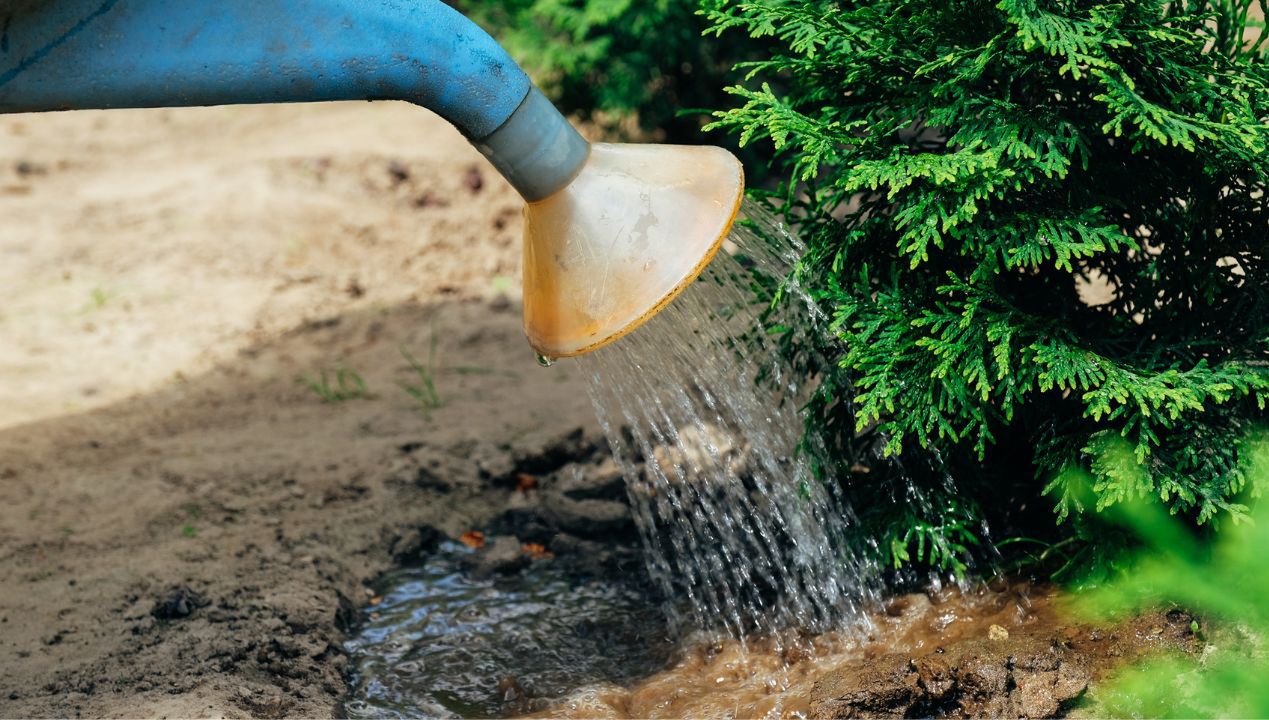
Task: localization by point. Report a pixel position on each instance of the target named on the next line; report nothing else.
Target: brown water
(758, 678)
(442, 643)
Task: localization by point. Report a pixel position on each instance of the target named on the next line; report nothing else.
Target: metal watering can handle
(80, 54)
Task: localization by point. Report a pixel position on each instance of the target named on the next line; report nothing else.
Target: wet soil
(509, 629)
(979, 654)
(1011, 654)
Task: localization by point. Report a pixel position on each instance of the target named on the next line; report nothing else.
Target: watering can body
(101, 54)
(70, 54)
(611, 235)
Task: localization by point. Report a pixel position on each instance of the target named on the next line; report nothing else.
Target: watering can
(613, 232)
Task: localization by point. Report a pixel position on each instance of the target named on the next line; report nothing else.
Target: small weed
(192, 512)
(343, 384)
(98, 298)
(424, 391)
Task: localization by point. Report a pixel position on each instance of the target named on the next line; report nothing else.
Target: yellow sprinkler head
(634, 228)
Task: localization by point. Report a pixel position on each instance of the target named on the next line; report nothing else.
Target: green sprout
(424, 391)
(98, 298)
(343, 384)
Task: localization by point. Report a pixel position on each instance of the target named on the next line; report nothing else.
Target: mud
(1039, 666)
(1003, 649)
(986, 653)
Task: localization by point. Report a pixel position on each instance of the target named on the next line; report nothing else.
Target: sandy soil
(184, 526)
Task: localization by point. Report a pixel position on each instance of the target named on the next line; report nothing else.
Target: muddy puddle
(442, 641)
(785, 677)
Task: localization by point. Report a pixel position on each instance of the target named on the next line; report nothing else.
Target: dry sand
(184, 526)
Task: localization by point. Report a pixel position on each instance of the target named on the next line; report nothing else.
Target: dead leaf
(536, 551)
(472, 539)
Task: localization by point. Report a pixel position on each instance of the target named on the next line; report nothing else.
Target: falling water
(702, 414)
(741, 536)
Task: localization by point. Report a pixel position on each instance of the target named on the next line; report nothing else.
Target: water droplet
(545, 361)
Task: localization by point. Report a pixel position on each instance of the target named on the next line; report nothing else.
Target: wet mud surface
(536, 620)
(966, 657)
(1030, 660)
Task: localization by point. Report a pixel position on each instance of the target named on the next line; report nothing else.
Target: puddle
(444, 644)
(543, 644)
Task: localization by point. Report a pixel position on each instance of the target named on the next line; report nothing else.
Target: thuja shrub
(1038, 227)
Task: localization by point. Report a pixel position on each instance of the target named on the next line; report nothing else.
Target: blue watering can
(613, 232)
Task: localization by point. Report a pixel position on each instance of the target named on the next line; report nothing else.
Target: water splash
(702, 414)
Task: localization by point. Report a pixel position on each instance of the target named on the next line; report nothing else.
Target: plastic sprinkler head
(633, 229)
(613, 232)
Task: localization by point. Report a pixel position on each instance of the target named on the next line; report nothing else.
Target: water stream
(750, 552)
(702, 413)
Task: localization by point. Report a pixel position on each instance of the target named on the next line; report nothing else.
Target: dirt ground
(184, 526)
(187, 529)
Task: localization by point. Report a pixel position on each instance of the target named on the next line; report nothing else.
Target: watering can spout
(612, 232)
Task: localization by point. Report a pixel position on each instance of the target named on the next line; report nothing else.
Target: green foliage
(335, 387)
(1038, 228)
(424, 391)
(1222, 583)
(610, 60)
